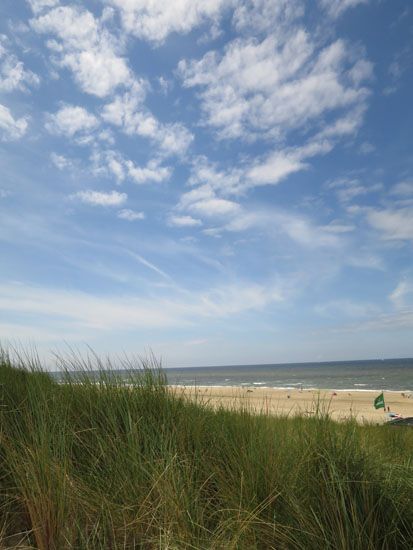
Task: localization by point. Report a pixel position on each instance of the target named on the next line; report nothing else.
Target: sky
(219, 181)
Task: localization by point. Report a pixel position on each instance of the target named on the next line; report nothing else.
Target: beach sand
(341, 404)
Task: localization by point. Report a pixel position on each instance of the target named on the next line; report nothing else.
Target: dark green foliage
(94, 463)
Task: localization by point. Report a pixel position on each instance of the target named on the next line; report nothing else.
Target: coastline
(341, 404)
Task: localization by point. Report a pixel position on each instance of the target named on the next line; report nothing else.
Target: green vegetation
(93, 463)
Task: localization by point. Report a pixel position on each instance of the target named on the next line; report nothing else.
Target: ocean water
(388, 374)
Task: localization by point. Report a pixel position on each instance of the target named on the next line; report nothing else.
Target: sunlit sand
(340, 404)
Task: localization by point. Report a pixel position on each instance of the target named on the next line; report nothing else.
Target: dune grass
(93, 463)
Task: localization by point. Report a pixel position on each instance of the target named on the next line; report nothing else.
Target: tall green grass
(93, 463)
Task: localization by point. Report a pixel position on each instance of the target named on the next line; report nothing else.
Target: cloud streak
(80, 310)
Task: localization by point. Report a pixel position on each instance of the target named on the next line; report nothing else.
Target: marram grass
(93, 463)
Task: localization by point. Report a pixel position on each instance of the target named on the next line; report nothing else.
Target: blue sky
(223, 181)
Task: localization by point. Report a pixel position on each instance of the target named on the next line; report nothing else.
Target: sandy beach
(340, 403)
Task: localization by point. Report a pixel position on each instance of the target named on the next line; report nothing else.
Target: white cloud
(269, 170)
(236, 298)
(361, 71)
(116, 166)
(165, 85)
(401, 63)
(213, 32)
(11, 128)
(173, 139)
(366, 148)
(151, 172)
(200, 193)
(40, 5)
(395, 224)
(338, 228)
(183, 221)
(365, 260)
(402, 291)
(13, 75)
(86, 48)
(276, 222)
(121, 110)
(112, 163)
(100, 198)
(403, 189)
(60, 161)
(71, 120)
(229, 181)
(109, 163)
(79, 310)
(348, 189)
(154, 21)
(275, 168)
(268, 88)
(97, 73)
(304, 232)
(127, 112)
(281, 163)
(214, 207)
(266, 15)
(347, 125)
(130, 215)
(84, 311)
(204, 202)
(335, 8)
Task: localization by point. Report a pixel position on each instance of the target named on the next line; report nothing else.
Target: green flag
(379, 402)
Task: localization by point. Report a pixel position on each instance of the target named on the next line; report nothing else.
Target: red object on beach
(334, 393)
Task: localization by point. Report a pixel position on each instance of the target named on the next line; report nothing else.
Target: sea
(386, 374)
